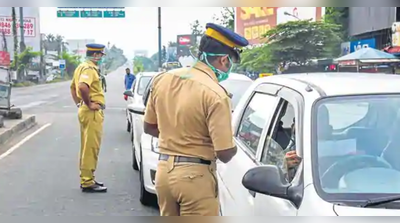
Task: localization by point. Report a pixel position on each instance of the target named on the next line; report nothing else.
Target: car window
(254, 119)
(143, 82)
(366, 145)
(281, 140)
(237, 88)
(355, 112)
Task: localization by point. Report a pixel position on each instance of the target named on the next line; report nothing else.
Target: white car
(148, 155)
(134, 121)
(346, 131)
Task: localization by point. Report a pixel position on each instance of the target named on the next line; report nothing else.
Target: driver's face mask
(221, 75)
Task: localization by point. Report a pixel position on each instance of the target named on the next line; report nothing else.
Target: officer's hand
(292, 160)
(94, 107)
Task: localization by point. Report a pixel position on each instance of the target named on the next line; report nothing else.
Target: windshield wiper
(380, 200)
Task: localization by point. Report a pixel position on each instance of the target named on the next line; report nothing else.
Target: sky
(138, 31)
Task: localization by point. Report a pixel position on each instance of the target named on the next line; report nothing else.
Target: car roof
(332, 84)
(148, 74)
(235, 76)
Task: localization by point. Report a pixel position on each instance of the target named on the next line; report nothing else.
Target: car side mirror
(128, 93)
(268, 180)
(136, 109)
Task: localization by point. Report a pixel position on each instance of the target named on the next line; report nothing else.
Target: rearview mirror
(128, 93)
(136, 109)
(268, 180)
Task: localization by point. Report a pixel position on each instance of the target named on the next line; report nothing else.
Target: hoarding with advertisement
(364, 43)
(29, 26)
(185, 42)
(32, 32)
(5, 59)
(253, 22)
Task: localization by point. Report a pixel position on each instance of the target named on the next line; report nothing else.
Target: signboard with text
(364, 43)
(254, 22)
(29, 26)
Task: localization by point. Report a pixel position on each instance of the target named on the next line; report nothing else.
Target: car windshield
(237, 88)
(356, 146)
(144, 81)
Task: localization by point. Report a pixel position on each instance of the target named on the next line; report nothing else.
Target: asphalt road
(40, 177)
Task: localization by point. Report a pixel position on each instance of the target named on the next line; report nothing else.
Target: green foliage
(71, 62)
(141, 64)
(114, 58)
(24, 59)
(295, 42)
(227, 18)
(339, 16)
(300, 41)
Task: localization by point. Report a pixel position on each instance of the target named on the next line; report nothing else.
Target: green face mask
(221, 75)
(99, 62)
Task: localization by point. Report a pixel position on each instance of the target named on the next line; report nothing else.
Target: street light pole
(21, 26)
(159, 39)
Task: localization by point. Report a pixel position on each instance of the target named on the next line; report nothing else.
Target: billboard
(185, 42)
(364, 43)
(253, 22)
(31, 27)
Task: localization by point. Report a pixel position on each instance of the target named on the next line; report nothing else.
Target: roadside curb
(22, 126)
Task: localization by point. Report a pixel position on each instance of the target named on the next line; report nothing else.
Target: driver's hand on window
(292, 160)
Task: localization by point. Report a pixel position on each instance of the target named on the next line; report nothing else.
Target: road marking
(24, 140)
(32, 104)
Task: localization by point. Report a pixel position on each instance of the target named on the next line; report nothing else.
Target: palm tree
(61, 44)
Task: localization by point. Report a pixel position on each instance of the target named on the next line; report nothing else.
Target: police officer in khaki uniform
(190, 113)
(88, 95)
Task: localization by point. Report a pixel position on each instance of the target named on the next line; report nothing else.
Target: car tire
(135, 165)
(146, 198)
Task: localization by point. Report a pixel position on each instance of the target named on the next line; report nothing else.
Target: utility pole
(21, 27)
(159, 39)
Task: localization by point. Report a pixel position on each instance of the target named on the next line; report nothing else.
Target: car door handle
(252, 193)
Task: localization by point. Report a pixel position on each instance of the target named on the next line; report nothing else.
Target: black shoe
(94, 189)
(101, 184)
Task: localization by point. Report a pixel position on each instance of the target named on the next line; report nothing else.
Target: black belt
(182, 159)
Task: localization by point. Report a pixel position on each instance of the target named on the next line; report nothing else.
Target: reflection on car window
(144, 81)
(254, 119)
(353, 111)
(357, 145)
(237, 88)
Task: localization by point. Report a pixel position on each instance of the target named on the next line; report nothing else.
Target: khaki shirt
(192, 111)
(88, 73)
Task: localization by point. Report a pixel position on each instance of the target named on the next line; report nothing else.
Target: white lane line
(24, 140)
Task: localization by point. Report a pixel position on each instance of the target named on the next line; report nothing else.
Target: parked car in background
(135, 122)
(148, 153)
(345, 126)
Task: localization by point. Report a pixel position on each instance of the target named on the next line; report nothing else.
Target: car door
(249, 130)
(274, 148)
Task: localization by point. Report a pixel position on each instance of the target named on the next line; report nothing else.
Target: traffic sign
(114, 14)
(67, 14)
(61, 64)
(91, 14)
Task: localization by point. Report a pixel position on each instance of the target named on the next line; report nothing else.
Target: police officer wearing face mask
(190, 113)
(88, 95)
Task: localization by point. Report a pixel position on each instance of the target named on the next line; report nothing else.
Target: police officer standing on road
(191, 114)
(88, 94)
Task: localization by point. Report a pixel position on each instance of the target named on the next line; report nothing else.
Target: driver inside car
(324, 131)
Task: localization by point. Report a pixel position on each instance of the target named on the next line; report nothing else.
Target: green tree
(301, 41)
(196, 28)
(143, 64)
(226, 18)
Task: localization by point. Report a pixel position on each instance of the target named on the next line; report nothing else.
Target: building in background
(31, 27)
(78, 46)
(253, 22)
